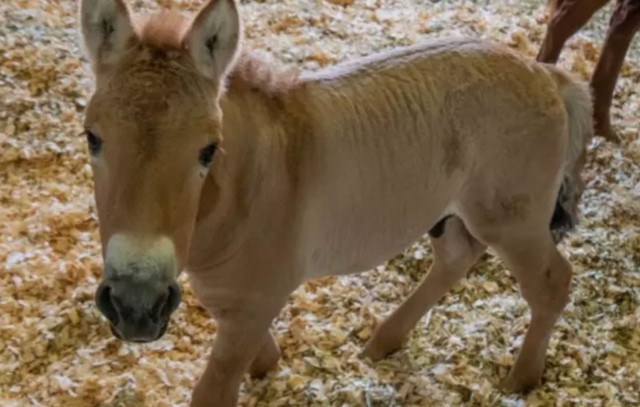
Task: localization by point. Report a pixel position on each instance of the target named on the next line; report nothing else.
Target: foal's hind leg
(455, 251)
(544, 276)
(267, 357)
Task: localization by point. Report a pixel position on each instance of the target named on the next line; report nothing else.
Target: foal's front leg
(240, 336)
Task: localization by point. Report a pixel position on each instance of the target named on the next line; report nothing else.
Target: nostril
(166, 304)
(156, 311)
(105, 303)
(172, 302)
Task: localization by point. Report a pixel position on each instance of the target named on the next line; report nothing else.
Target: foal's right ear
(106, 29)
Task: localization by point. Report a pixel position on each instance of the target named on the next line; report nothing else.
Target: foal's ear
(213, 38)
(106, 29)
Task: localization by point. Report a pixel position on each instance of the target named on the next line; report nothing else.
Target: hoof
(374, 352)
(260, 367)
(604, 129)
(513, 385)
(379, 347)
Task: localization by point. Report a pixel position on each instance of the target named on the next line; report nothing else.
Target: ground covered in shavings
(56, 350)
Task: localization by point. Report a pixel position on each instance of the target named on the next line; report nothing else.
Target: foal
(324, 173)
(567, 17)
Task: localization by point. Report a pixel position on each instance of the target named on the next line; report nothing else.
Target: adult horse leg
(567, 17)
(624, 24)
(455, 251)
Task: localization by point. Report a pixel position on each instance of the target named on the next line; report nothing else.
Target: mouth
(117, 334)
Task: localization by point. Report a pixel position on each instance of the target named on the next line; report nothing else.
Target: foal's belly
(365, 241)
(367, 220)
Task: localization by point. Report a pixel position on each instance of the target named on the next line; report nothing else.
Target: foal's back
(463, 89)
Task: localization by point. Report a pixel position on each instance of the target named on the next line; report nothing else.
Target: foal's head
(152, 128)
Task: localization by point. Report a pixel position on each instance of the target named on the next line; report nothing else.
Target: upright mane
(255, 73)
(165, 31)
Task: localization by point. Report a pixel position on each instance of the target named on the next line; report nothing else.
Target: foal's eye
(206, 154)
(94, 143)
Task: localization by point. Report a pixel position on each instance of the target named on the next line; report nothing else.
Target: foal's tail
(578, 104)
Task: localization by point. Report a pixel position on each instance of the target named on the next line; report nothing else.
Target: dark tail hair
(578, 104)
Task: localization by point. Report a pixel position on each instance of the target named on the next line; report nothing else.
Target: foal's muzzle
(138, 310)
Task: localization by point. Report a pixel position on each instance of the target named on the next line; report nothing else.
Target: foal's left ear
(213, 38)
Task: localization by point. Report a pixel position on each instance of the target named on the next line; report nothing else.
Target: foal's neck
(254, 186)
(266, 122)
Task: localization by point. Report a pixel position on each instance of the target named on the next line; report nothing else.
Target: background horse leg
(567, 17)
(624, 24)
(455, 251)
